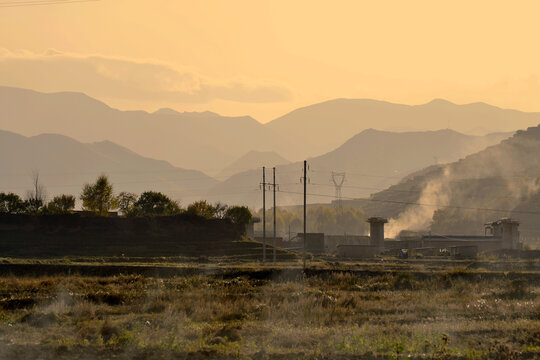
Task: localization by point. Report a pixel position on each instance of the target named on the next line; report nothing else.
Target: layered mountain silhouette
(372, 160)
(459, 198)
(210, 142)
(204, 141)
(252, 160)
(329, 124)
(65, 164)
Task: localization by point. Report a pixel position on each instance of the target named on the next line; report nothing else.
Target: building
(269, 240)
(502, 234)
(499, 235)
(331, 242)
(314, 242)
(250, 227)
(376, 241)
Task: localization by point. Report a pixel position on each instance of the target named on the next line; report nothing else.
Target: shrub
(63, 204)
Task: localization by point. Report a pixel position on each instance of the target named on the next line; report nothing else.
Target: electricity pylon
(338, 178)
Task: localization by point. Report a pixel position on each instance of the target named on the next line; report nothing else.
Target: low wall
(331, 242)
(65, 235)
(482, 245)
(357, 251)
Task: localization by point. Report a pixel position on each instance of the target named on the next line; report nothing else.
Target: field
(166, 309)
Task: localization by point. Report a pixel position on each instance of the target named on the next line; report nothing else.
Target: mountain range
(460, 197)
(252, 160)
(325, 126)
(210, 142)
(65, 164)
(371, 160)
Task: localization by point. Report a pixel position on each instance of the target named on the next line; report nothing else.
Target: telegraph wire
(421, 204)
(7, 4)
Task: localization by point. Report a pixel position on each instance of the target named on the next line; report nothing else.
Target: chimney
(376, 232)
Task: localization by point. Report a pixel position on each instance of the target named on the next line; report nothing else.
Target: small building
(250, 227)
(376, 241)
(269, 240)
(500, 234)
(331, 242)
(314, 242)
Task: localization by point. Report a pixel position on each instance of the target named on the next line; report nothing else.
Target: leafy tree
(62, 204)
(98, 197)
(238, 214)
(11, 204)
(202, 208)
(126, 201)
(152, 203)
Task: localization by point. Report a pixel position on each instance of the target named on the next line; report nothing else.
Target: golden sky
(265, 58)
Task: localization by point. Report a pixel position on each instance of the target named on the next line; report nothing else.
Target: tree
(35, 198)
(126, 200)
(11, 204)
(238, 214)
(220, 210)
(202, 208)
(62, 204)
(152, 203)
(98, 197)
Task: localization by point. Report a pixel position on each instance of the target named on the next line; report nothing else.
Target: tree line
(324, 219)
(99, 198)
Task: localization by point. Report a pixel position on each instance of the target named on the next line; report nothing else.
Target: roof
(377, 219)
(459, 238)
(503, 221)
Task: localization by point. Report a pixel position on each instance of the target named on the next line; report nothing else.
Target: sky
(266, 58)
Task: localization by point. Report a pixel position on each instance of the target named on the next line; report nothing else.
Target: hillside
(209, 142)
(459, 198)
(252, 160)
(372, 160)
(331, 123)
(65, 164)
(204, 141)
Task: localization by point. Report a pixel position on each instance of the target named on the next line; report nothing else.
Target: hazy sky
(265, 58)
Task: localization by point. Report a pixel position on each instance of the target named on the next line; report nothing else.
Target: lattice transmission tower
(338, 178)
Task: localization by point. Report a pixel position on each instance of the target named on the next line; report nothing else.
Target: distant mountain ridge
(253, 160)
(502, 180)
(204, 141)
(65, 164)
(209, 142)
(332, 122)
(372, 161)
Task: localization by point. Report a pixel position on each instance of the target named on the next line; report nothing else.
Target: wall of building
(357, 251)
(331, 242)
(483, 245)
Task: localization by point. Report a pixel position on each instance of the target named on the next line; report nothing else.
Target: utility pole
(305, 235)
(274, 188)
(264, 213)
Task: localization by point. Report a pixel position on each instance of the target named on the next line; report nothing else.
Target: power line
(7, 4)
(427, 205)
(371, 188)
(327, 171)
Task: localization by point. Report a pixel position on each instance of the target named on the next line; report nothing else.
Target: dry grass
(339, 315)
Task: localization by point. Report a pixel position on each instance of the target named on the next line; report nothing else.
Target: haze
(267, 58)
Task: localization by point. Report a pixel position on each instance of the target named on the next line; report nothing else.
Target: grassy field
(378, 310)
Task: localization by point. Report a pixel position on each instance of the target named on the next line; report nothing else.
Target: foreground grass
(338, 315)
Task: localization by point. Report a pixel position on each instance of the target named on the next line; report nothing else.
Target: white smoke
(436, 194)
